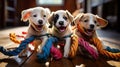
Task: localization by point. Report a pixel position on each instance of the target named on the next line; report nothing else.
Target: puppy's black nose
(61, 22)
(92, 26)
(40, 21)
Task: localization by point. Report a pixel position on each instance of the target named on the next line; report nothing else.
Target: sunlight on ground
(114, 63)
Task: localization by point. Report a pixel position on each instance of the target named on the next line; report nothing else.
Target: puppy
(38, 24)
(61, 21)
(87, 24)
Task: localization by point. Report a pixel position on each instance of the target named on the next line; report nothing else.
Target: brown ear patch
(25, 17)
(69, 16)
(102, 22)
(51, 19)
(78, 18)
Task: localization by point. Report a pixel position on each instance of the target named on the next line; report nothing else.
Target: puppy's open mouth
(62, 28)
(89, 31)
(39, 27)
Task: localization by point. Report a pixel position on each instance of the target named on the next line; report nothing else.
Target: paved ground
(110, 38)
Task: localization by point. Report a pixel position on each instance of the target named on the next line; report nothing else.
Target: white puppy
(61, 21)
(38, 24)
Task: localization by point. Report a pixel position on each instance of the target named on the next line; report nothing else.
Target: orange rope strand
(103, 52)
(13, 38)
(99, 46)
(74, 45)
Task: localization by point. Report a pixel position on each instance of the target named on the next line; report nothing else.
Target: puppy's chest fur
(60, 35)
(31, 31)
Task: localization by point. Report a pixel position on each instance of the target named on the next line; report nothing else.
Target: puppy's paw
(39, 50)
(66, 54)
(82, 65)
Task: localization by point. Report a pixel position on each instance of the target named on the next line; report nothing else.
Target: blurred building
(10, 10)
(108, 9)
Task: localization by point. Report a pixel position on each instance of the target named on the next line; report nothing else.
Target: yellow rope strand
(74, 45)
(13, 38)
(103, 52)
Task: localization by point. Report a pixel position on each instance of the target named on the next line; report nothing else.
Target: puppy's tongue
(89, 31)
(62, 29)
(39, 27)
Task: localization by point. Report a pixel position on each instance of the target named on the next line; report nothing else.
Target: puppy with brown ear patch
(38, 24)
(61, 21)
(87, 24)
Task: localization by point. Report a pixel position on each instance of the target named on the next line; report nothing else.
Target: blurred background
(10, 10)
(10, 21)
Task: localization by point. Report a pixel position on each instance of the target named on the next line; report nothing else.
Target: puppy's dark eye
(95, 22)
(98, 25)
(35, 15)
(56, 18)
(44, 15)
(65, 17)
(85, 20)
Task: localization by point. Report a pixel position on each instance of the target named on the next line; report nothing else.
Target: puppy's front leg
(67, 46)
(44, 39)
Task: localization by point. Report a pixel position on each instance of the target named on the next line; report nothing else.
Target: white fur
(82, 65)
(61, 13)
(91, 20)
(33, 23)
(67, 47)
(67, 23)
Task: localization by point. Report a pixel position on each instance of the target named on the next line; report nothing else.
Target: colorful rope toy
(46, 49)
(13, 38)
(54, 51)
(97, 43)
(16, 51)
(112, 49)
(103, 52)
(87, 46)
(74, 46)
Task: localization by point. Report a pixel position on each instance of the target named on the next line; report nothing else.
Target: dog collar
(47, 34)
(64, 36)
(68, 35)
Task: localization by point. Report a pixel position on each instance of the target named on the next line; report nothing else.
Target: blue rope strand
(112, 49)
(46, 49)
(15, 52)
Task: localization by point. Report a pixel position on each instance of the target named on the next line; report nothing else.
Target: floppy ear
(78, 18)
(70, 17)
(102, 22)
(25, 14)
(51, 19)
(47, 10)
